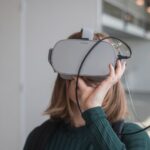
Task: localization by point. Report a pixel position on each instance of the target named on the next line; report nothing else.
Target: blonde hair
(114, 103)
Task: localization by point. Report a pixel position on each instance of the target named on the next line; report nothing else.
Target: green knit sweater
(97, 134)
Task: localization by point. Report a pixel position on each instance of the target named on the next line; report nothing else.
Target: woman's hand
(91, 97)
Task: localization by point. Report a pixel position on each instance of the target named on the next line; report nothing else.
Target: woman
(103, 106)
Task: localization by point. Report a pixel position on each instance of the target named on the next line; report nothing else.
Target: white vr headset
(69, 55)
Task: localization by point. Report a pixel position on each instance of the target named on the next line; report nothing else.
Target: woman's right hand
(90, 96)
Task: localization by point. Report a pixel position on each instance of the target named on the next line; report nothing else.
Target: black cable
(119, 57)
(135, 132)
(80, 70)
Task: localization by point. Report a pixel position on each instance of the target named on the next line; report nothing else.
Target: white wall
(47, 22)
(138, 71)
(27, 30)
(9, 75)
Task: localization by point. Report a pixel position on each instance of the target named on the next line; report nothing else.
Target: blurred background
(28, 28)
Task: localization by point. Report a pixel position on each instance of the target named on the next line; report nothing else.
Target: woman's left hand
(91, 97)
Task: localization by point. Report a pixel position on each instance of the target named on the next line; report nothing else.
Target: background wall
(46, 23)
(138, 69)
(9, 75)
(28, 28)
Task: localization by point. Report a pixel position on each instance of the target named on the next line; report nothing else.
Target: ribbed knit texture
(97, 134)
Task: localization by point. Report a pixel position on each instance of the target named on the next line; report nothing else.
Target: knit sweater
(97, 134)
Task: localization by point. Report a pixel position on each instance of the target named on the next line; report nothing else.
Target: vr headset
(67, 56)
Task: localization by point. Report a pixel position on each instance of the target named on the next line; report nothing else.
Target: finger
(123, 67)
(111, 70)
(118, 69)
(84, 90)
(81, 84)
(111, 73)
(107, 83)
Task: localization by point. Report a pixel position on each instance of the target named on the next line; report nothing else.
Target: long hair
(114, 103)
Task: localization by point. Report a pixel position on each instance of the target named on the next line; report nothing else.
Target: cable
(145, 128)
(80, 70)
(131, 100)
(119, 57)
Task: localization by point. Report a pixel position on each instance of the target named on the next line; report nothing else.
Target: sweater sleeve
(139, 141)
(102, 134)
